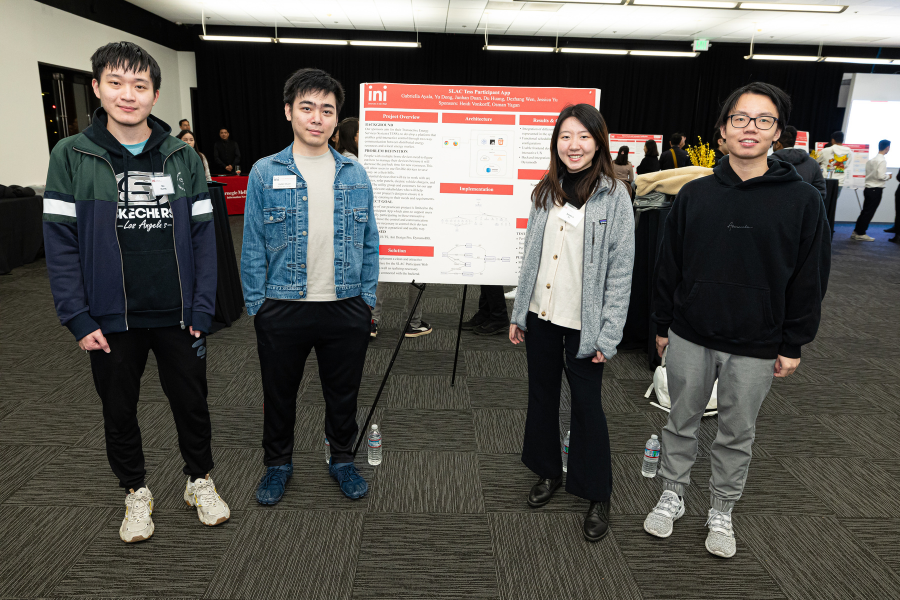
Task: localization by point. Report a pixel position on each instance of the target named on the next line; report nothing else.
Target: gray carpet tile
(287, 554)
(781, 402)
(616, 397)
(543, 555)
(496, 364)
(420, 362)
(21, 387)
(87, 476)
(495, 392)
(414, 429)
(311, 487)
(878, 536)
(680, 566)
(427, 482)
(7, 407)
(223, 358)
(874, 434)
(60, 357)
(53, 425)
(814, 557)
(438, 339)
(18, 464)
(506, 482)
(410, 556)
(500, 431)
(178, 560)
(803, 435)
(155, 421)
(38, 547)
(425, 391)
(236, 426)
(629, 432)
(629, 365)
(244, 389)
(852, 487)
(78, 389)
(312, 393)
(498, 342)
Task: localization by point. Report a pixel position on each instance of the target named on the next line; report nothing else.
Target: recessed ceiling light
(234, 38)
(686, 3)
(860, 61)
(662, 53)
(821, 8)
(592, 51)
(783, 57)
(520, 48)
(311, 41)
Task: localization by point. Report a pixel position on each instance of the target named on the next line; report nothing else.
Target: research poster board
(635, 143)
(802, 140)
(855, 172)
(452, 170)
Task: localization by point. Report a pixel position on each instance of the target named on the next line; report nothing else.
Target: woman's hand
(599, 358)
(516, 335)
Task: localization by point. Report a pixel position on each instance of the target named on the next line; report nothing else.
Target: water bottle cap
(374, 426)
(653, 437)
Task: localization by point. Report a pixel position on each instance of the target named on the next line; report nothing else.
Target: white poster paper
(635, 143)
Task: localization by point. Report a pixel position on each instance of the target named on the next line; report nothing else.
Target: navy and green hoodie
(118, 256)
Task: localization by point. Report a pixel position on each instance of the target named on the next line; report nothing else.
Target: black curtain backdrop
(240, 84)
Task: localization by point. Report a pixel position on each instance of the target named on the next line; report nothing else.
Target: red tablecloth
(235, 193)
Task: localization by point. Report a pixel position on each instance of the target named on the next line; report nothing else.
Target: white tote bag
(661, 385)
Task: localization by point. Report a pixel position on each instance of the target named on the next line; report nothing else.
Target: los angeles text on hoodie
(744, 265)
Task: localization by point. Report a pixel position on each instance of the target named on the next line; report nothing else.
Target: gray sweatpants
(743, 384)
(410, 298)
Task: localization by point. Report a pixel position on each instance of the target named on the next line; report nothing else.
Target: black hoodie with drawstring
(743, 265)
(144, 227)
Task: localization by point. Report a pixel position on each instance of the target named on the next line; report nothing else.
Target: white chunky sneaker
(511, 294)
(211, 509)
(720, 540)
(669, 509)
(861, 238)
(137, 526)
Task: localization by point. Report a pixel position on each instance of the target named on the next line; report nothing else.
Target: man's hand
(661, 343)
(229, 168)
(516, 335)
(785, 366)
(196, 333)
(94, 341)
(599, 358)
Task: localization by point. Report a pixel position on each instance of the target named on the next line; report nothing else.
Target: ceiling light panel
(820, 8)
(519, 48)
(234, 38)
(861, 61)
(784, 57)
(664, 53)
(568, 50)
(686, 3)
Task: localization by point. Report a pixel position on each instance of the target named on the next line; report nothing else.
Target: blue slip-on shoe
(271, 486)
(351, 482)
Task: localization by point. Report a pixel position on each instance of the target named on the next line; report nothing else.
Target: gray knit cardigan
(608, 263)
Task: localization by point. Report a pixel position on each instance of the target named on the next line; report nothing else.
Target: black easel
(365, 429)
(462, 310)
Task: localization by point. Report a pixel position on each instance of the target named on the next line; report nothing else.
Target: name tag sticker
(571, 215)
(162, 185)
(284, 182)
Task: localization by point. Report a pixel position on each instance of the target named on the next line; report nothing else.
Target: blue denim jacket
(274, 254)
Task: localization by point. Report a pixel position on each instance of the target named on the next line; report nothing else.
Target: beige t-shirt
(318, 172)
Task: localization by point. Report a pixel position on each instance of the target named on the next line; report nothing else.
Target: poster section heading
(452, 171)
(855, 168)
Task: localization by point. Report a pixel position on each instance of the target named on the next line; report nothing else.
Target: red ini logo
(378, 95)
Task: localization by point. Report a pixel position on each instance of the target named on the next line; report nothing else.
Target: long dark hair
(183, 133)
(650, 148)
(347, 130)
(622, 156)
(549, 186)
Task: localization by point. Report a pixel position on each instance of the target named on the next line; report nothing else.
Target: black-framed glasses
(741, 121)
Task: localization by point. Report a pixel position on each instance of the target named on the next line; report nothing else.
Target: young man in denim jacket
(309, 268)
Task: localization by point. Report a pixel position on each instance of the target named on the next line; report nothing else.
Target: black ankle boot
(596, 523)
(543, 491)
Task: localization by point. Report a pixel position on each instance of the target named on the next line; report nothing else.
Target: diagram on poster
(452, 169)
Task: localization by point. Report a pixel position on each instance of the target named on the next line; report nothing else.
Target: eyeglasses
(741, 121)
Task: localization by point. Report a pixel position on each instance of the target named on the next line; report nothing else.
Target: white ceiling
(864, 23)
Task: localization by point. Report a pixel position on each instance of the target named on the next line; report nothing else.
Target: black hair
(838, 136)
(650, 148)
(225, 128)
(313, 80)
(675, 139)
(184, 132)
(183, 121)
(717, 135)
(622, 156)
(778, 97)
(884, 144)
(128, 56)
(348, 129)
(788, 137)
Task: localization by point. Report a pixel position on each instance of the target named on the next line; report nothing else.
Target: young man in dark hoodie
(806, 165)
(131, 255)
(741, 274)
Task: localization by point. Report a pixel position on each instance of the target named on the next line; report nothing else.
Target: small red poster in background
(235, 193)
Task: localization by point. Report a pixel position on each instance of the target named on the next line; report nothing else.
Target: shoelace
(347, 473)
(273, 475)
(719, 522)
(140, 506)
(668, 505)
(206, 492)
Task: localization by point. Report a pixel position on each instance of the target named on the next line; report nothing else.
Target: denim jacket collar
(286, 157)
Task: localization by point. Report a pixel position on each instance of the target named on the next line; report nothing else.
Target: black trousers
(492, 304)
(286, 331)
(590, 463)
(182, 372)
(871, 200)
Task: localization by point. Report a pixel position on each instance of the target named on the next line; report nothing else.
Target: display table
(235, 193)
(21, 231)
(229, 297)
(832, 191)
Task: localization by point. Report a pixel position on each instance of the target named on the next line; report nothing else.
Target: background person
(876, 176)
(622, 167)
(226, 155)
(721, 148)
(492, 317)
(835, 158)
(348, 136)
(676, 156)
(187, 136)
(184, 125)
(650, 162)
(806, 165)
(579, 245)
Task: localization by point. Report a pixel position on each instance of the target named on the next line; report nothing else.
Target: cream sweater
(557, 291)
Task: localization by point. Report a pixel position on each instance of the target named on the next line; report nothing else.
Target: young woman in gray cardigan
(574, 287)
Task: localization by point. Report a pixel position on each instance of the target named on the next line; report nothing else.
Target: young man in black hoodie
(131, 254)
(806, 165)
(741, 274)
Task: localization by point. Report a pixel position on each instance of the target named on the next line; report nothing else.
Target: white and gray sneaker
(211, 509)
(138, 525)
(861, 238)
(669, 509)
(720, 540)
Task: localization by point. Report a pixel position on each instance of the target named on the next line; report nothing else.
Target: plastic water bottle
(651, 457)
(566, 453)
(327, 451)
(374, 444)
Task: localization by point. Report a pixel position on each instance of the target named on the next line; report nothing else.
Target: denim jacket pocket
(275, 228)
(360, 220)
